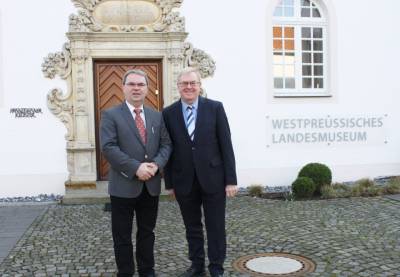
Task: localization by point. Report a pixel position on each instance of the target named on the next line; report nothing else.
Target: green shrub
(361, 188)
(373, 191)
(338, 190)
(393, 187)
(356, 191)
(288, 196)
(255, 190)
(342, 190)
(319, 173)
(366, 188)
(303, 187)
(328, 192)
(365, 183)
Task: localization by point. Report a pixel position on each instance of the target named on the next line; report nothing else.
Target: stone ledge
(72, 185)
(84, 200)
(395, 197)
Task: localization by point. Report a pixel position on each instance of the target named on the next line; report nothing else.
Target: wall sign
(25, 112)
(326, 130)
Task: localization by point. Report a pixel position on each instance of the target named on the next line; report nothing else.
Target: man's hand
(153, 167)
(171, 193)
(145, 171)
(231, 190)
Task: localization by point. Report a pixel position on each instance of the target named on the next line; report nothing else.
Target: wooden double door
(108, 93)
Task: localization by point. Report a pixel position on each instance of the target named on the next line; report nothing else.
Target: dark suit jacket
(210, 156)
(124, 150)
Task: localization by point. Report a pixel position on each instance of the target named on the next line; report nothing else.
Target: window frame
(298, 23)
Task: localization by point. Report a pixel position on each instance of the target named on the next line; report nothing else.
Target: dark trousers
(214, 217)
(145, 207)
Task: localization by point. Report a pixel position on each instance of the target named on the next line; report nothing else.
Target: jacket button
(193, 148)
(145, 156)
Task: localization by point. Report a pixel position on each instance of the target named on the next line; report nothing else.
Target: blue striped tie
(190, 122)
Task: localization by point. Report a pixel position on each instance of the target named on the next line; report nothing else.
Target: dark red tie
(140, 124)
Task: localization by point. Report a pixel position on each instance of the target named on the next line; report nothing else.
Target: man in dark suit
(135, 142)
(201, 171)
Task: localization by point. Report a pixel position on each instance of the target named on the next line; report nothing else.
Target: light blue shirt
(185, 112)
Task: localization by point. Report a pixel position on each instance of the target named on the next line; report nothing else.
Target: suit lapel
(199, 117)
(126, 113)
(181, 120)
(149, 125)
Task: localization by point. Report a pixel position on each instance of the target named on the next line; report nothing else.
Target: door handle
(158, 99)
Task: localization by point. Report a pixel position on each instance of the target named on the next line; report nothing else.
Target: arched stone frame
(328, 10)
(90, 39)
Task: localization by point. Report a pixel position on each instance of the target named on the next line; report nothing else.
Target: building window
(299, 49)
(285, 8)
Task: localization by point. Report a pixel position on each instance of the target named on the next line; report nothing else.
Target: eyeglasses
(186, 84)
(140, 85)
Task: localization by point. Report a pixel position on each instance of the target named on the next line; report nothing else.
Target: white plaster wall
(365, 43)
(1, 63)
(365, 74)
(32, 151)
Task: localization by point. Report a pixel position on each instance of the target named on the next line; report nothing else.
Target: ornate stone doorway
(129, 30)
(108, 92)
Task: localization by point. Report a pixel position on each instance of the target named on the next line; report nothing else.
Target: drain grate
(274, 264)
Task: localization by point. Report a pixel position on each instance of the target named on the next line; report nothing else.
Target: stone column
(81, 151)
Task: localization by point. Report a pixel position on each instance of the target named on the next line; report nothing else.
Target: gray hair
(188, 70)
(137, 72)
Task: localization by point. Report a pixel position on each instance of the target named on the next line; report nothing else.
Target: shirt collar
(131, 108)
(194, 105)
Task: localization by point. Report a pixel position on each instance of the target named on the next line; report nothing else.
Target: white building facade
(301, 81)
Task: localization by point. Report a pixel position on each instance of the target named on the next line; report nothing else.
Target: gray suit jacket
(124, 150)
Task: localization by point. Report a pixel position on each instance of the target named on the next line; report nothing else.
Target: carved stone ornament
(80, 58)
(60, 105)
(126, 16)
(199, 59)
(83, 22)
(58, 63)
(176, 58)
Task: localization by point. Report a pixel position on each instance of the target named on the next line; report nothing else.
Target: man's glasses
(186, 84)
(140, 85)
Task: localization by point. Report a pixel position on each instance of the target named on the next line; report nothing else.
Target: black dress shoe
(193, 272)
(150, 274)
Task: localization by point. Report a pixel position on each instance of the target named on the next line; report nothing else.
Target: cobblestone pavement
(14, 220)
(344, 237)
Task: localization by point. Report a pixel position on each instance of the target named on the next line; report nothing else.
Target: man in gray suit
(135, 142)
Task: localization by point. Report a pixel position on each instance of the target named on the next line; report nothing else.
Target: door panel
(108, 93)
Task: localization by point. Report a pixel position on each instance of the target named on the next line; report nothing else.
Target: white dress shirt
(131, 108)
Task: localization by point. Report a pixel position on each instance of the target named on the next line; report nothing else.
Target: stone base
(87, 200)
(91, 193)
(86, 193)
(69, 185)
